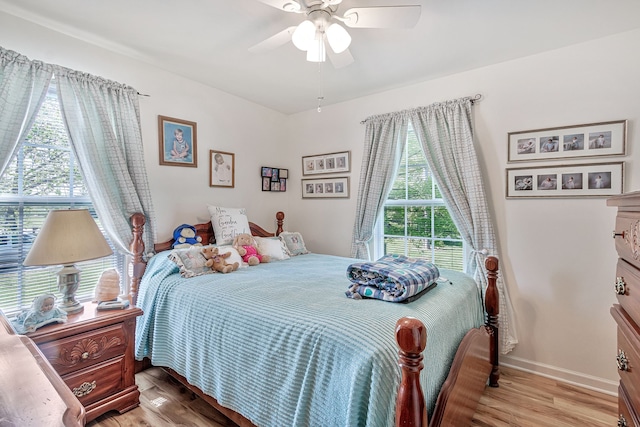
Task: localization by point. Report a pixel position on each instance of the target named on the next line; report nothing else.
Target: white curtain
(103, 121)
(385, 137)
(446, 135)
(23, 87)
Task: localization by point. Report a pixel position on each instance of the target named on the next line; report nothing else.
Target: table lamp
(68, 236)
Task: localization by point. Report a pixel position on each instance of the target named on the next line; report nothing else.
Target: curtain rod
(473, 99)
(144, 94)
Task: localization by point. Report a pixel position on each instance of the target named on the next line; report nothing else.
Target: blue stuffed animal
(184, 236)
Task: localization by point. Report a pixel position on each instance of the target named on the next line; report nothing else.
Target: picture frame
(326, 163)
(587, 140)
(577, 180)
(177, 142)
(325, 188)
(274, 179)
(222, 169)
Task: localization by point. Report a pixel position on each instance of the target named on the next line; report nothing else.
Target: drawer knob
(621, 286)
(84, 389)
(622, 421)
(614, 234)
(85, 355)
(622, 361)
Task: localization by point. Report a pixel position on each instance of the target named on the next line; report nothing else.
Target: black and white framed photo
(325, 188)
(580, 180)
(221, 169)
(326, 163)
(588, 140)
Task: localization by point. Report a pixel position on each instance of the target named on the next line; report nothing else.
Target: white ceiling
(208, 40)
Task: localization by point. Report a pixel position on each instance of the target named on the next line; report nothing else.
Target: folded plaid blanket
(393, 278)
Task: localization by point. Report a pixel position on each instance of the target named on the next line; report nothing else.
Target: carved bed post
(137, 249)
(411, 336)
(492, 307)
(279, 220)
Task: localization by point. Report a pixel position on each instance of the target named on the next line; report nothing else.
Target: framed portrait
(590, 140)
(580, 180)
(178, 142)
(222, 169)
(326, 163)
(274, 179)
(325, 188)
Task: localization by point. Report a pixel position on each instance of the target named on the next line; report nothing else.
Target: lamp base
(68, 282)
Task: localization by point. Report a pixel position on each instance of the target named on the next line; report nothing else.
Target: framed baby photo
(579, 180)
(325, 188)
(589, 140)
(178, 142)
(326, 163)
(222, 169)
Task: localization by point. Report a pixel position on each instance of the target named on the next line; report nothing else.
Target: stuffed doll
(184, 236)
(216, 260)
(246, 246)
(42, 312)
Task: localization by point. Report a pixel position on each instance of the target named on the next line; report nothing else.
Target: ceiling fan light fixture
(291, 7)
(304, 35)
(316, 51)
(338, 38)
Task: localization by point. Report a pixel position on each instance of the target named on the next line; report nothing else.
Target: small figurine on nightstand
(42, 312)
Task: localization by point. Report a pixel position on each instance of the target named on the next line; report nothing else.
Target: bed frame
(475, 362)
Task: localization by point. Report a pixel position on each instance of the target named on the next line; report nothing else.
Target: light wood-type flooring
(522, 400)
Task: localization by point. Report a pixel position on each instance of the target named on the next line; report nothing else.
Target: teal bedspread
(282, 345)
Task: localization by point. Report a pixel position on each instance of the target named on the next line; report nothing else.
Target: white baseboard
(564, 375)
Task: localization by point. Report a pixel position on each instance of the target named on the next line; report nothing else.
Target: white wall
(224, 122)
(557, 255)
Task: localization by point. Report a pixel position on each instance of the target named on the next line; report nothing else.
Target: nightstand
(93, 353)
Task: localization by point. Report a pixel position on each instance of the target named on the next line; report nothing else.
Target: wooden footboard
(475, 362)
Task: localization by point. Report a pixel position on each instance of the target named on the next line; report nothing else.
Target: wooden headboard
(204, 230)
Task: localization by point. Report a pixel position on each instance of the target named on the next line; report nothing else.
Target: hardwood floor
(522, 400)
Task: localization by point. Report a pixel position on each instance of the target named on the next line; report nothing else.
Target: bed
(280, 344)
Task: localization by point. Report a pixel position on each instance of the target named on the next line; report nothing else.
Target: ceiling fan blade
(274, 41)
(382, 16)
(339, 60)
(286, 5)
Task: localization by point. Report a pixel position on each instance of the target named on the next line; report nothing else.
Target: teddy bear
(184, 236)
(246, 246)
(216, 260)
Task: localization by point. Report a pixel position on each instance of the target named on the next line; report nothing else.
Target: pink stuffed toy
(246, 246)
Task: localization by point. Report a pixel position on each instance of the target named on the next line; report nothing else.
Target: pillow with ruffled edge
(190, 261)
(294, 243)
(273, 247)
(228, 223)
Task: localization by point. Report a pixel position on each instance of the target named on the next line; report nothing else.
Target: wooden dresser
(627, 312)
(93, 353)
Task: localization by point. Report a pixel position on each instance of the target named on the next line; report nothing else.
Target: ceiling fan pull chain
(320, 86)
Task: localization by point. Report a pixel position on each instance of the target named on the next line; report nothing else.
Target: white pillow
(227, 223)
(191, 261)
(235, 256)
(273, 247)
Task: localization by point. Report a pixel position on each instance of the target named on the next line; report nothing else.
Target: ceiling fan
(323, 25)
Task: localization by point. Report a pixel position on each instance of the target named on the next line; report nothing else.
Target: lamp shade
(304, 35)
(338, 38)
(68, 236)
(316, 51)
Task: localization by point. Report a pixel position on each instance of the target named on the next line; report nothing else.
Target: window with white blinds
(44, 175)
(415, 221)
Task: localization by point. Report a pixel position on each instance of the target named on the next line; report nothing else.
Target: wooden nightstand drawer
(628, 356)
(627, 416)
(627, 288)
(627, 231)
(85, 350)
(95, 383)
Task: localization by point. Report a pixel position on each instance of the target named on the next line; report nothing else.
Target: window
(44, 175)
(415, 221)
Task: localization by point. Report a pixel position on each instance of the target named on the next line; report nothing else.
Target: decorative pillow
(273, 247)
(191, 261)
(235, 256)
(294, 243)
(227, 223)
